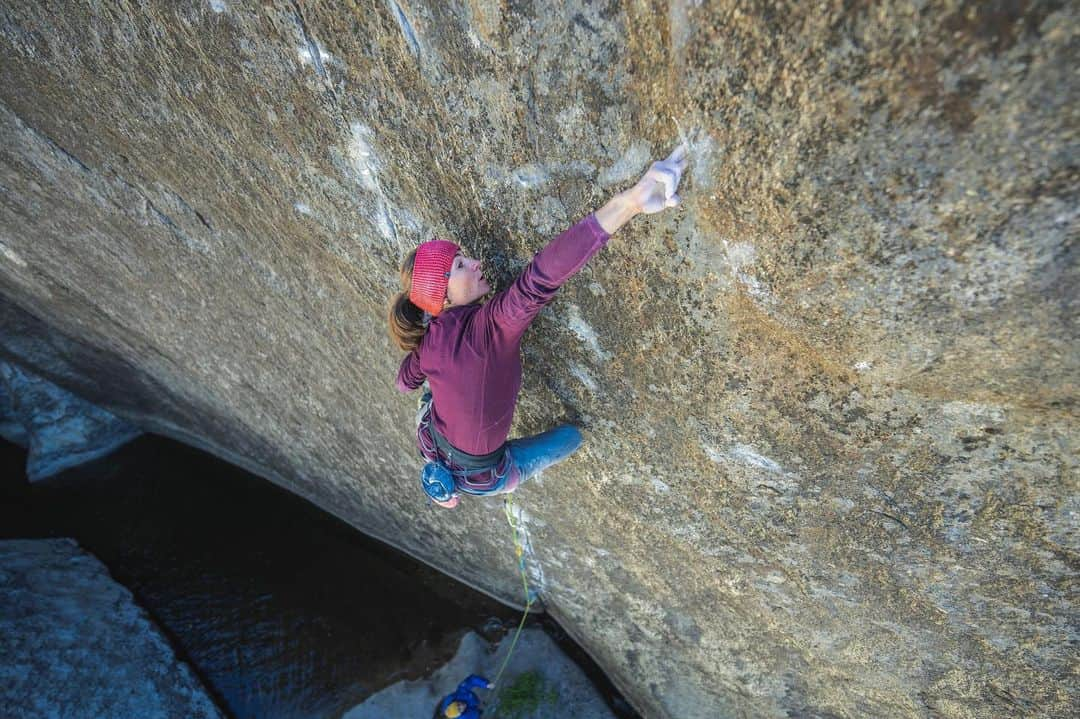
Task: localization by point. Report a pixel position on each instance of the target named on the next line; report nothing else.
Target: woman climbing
(468, 351)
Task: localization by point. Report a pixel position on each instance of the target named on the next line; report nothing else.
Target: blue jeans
(532, 455)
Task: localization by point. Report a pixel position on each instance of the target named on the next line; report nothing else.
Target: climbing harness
(530, 597)
(464, 459)
(466, 473)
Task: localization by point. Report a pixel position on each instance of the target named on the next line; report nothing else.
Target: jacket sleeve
(409, 375)
(509, 312)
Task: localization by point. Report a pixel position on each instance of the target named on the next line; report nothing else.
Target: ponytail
(406, 320)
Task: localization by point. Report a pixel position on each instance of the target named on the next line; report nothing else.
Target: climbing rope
(529, 596)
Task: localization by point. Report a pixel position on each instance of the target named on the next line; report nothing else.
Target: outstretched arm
(617, 212)
(509, 312)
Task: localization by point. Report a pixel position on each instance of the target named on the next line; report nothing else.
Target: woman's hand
(656, 188)
(652, 193)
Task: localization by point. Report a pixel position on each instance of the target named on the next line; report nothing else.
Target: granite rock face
(829, 402)
(75, 644)
(59, 429)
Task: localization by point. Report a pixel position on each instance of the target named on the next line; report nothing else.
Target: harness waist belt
(464, 459)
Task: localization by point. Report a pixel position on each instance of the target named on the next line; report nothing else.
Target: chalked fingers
(668, 175)
(679, 154)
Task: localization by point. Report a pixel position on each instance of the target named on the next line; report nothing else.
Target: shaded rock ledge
(58, 429)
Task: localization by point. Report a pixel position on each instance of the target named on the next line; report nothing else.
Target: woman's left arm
(509, 312)
(617, 212)
(655, 191)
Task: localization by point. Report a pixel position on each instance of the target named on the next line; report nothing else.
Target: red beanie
(431, 271)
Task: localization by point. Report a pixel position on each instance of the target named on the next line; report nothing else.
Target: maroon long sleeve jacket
(471, 354)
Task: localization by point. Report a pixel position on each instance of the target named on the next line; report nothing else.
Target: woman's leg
(525, 458)
(533, 455)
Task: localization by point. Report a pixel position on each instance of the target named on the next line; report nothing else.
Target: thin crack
(313, 47)
(406, 28)
(56, 146)
(192, 210)
(894, 518)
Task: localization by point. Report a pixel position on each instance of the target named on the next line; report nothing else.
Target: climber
(463, 703)
(467, 352)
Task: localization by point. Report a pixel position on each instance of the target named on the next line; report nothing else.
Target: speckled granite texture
(73, 643)
(58, 429)
(829, 402)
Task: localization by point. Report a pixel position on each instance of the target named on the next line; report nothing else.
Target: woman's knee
(570, 435)
(537, 453)
(559, 442)
(565, 436)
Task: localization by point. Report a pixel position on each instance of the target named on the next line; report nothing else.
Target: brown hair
(406, 319)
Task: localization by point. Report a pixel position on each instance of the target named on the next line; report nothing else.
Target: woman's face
(467, 283)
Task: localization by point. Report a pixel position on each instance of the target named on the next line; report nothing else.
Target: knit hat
(431, 272)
